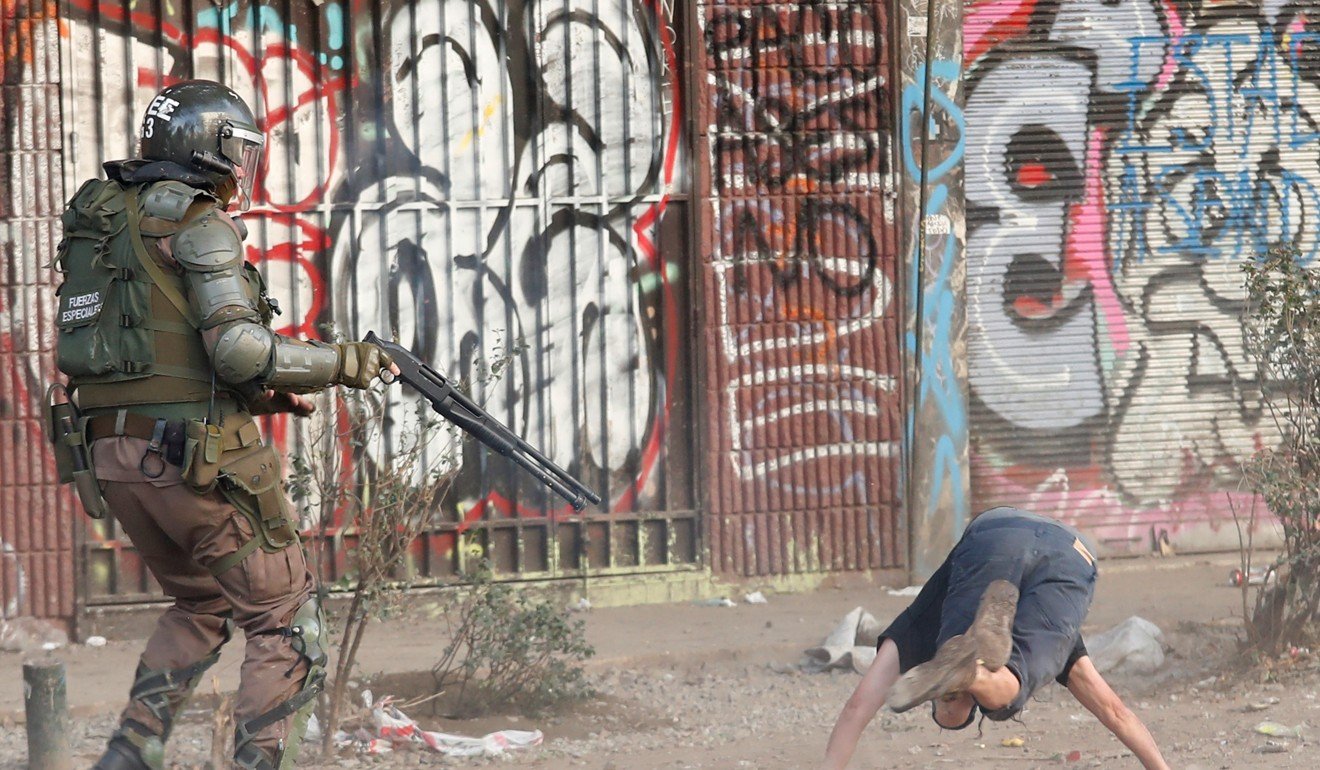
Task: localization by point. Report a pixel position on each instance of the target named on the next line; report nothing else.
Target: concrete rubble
(1135, 646)
(850, 645)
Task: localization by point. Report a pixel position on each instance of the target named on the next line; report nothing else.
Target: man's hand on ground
(860, 709)
(1092, 691)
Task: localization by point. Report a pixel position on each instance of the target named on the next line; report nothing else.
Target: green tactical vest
(123, 339)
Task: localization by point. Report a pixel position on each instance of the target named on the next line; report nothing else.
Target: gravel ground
(766, 714)
(654, 710)
(746, 705)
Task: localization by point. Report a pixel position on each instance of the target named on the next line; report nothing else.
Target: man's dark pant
(1055, 575)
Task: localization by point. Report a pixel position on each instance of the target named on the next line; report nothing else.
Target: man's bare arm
(860, 709)
(1092, 691)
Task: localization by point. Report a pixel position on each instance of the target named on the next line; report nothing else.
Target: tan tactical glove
(360, 363)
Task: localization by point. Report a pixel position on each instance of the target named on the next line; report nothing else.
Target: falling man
(999, 618)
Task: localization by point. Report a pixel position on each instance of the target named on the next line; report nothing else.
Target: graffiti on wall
(1109, 213)
(479, 177)
(932, 151)
(36, 575)
(799, 289)
(534, 224)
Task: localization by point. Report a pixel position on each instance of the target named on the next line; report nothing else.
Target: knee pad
(305, 634)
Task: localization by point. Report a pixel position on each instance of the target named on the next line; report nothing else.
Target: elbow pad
(243, 352)
(250, 351)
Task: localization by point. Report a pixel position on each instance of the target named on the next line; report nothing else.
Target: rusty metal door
(470, 175)
(799, 276)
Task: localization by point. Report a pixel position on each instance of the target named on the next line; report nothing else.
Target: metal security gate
(473, 176)
(1123, 160)
(799, 280)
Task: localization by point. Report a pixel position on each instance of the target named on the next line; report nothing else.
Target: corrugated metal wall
(470, 174)
(800, 324)
(1123, 159)
(36, 520)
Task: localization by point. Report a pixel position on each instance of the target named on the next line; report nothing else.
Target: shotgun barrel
(452, 404)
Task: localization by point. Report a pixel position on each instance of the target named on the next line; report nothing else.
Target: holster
(251, 481)
(232, 459)
(66, 430)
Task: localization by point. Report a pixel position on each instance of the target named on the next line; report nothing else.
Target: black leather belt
(166, 438)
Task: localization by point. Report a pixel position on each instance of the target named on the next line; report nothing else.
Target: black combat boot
(124, 752)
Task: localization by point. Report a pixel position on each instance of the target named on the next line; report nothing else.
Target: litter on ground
(909, 591)
(391, 729)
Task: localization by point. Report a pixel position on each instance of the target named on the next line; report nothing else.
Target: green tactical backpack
(105, 299)
(122, 318)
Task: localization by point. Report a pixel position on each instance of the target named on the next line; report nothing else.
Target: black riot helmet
(203, 125)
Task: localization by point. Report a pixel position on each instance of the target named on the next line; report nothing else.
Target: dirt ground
(685, 686)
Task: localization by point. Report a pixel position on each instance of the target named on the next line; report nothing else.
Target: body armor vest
(124, 338)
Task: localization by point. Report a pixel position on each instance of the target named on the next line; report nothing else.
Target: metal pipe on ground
(46, 706)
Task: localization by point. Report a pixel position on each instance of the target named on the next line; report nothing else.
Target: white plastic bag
(395, 727)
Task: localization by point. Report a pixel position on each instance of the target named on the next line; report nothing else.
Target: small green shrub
(508, 649)
(1281, 331)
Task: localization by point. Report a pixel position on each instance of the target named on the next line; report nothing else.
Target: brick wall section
(36, 527)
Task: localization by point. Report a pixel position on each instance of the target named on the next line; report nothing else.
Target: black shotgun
(450, 402)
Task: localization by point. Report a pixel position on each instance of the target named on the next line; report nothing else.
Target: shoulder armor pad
(171, 200)
(208, 244)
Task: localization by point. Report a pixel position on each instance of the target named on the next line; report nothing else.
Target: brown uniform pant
(178, 533)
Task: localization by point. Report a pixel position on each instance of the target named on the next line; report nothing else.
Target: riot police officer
(166, 341)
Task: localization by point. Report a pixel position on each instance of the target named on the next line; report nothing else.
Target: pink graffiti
(1086, 243)
(1176, 31)
(1081, 496)
(990, 24)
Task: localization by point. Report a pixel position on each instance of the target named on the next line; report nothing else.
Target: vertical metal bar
(46, 708)
(579, 412)
(704, 476)
(290, 163)
(506, 134)
(606, 385)
(188, 26)
(539, 316)
(126, 95)
(476, 193)
(158, 36)
(506, 195)
(446, 212)
(627, 23)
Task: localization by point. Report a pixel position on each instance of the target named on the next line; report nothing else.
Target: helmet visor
(242, 148)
